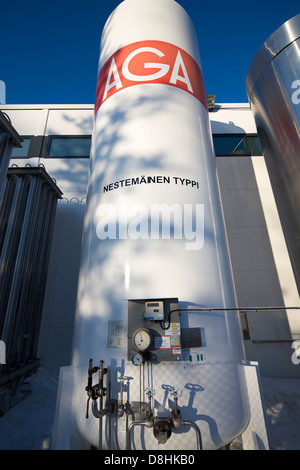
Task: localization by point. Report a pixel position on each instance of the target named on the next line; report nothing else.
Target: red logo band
(149, 62)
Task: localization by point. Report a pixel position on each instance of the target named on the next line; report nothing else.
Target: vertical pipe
(9, 260)
(4, 157)
(110, 410)
(15, 311)
(101, 405)
(30, 279)
(42, 260)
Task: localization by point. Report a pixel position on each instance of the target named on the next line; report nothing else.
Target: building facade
(58, 138)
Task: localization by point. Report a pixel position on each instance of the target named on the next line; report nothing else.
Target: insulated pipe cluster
(27, 209)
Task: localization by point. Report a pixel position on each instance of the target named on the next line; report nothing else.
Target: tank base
(255, 437)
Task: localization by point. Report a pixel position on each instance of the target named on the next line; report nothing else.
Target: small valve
(89, 388)
(176, 415)
(150, 392)
(176, 393)
(94, 391)
(121, 380)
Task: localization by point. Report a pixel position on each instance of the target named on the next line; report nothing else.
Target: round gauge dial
(137, 359)
(141, 339)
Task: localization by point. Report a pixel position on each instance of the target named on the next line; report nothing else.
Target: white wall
(261, 266)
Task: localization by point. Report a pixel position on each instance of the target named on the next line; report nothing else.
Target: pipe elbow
(99, 413)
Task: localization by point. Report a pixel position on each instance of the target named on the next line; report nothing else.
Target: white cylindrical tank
(154, 250)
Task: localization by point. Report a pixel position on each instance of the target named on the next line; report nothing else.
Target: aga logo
(150, 62)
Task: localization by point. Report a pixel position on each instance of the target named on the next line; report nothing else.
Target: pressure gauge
(141, 339)
(137, 359)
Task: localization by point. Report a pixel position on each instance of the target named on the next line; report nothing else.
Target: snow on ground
(282, 401)
(28, 425)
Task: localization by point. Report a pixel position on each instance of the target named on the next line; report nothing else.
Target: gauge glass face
(142, 339)
(137, 359)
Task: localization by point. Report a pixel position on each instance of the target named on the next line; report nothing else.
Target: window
(244, 325)
(253, 144)
(23, 151)
(69, 147)
(236, 144)
(78, 146)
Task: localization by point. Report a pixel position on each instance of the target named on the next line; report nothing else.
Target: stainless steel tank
(273, 88)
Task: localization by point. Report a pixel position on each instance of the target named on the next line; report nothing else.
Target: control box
(154, 332)
(154, 310)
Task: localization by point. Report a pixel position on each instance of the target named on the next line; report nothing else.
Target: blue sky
(50, 50)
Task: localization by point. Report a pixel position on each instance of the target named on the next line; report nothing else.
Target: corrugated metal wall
(27, 211)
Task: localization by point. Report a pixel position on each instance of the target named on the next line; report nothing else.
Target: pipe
(197, 431)
(98, 391)
(101, 403)
(116, 435)
(233, 309)
(128, 412)
(257, 341)
(4, 156)
(131, 425)
(108, 408)
(99, 413)
(120, 414)
(100, 426)
(145, 423)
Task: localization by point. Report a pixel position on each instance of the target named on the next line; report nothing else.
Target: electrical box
(154, 332)
(154, 310)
